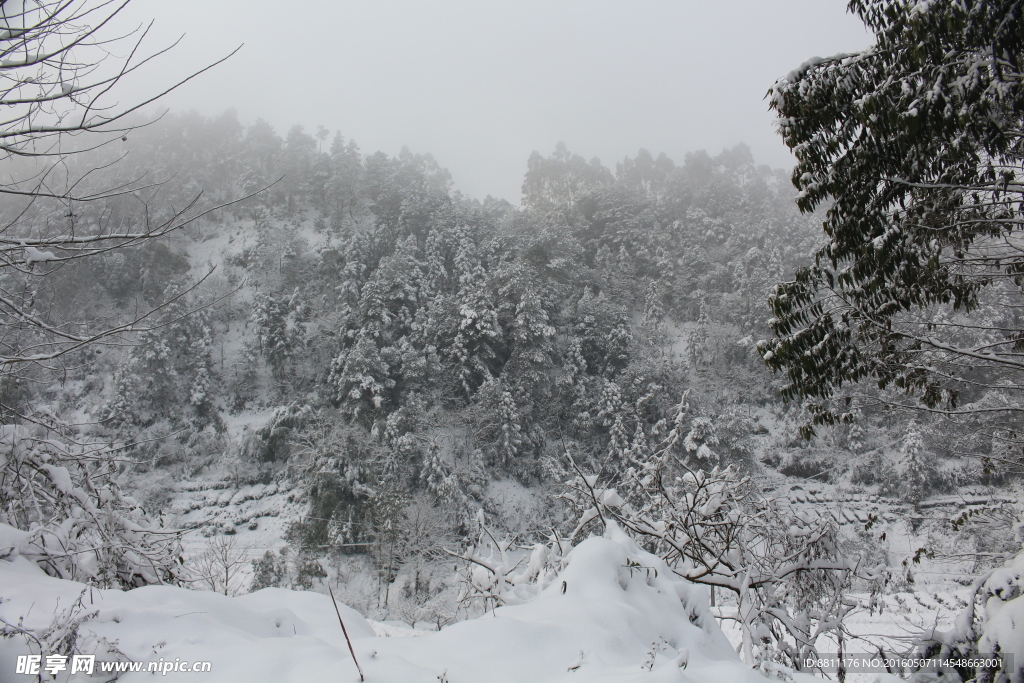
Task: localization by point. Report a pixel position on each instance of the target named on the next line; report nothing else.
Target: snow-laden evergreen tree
(168, 365)
(279, 329)
(612, 415)
(531, 336)
(700, 438)
(654, 312)
(916, 468)
(502, 425)
(343, 188)
(361, 377)
(439, 478)
(699, 344)
(476, 349)
(604, 333)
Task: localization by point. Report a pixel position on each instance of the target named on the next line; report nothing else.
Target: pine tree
(361, 379)
(438, 476)
(916, 468)
(502, 425)
(268, 572)
(476, 349)
(613, 415)
(279, 329)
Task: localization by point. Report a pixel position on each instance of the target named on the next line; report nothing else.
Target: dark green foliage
(269, 571)
(915, 147)
(309, 573)
(273, 442)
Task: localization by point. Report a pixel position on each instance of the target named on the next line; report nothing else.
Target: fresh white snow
(610, 624)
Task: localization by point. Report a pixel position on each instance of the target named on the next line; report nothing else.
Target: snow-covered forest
(257, 382)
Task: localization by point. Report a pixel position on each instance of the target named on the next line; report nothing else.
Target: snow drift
(603, 619)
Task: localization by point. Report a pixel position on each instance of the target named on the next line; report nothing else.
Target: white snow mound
(623, 616)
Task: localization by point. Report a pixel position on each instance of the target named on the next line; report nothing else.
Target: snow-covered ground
(598, 621)
(258, 515)
(628, 625)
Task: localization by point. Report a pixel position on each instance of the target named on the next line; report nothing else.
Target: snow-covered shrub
(556, 577)
(64, 634)
(268, 571)
(273, 441)
(499, 573)
(807, 463)
(992, 623)
(78, 523)
(872, 468)
(785, 567)
(308, 571)
(701, 438)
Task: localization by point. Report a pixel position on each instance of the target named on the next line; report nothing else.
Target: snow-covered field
(598, 621)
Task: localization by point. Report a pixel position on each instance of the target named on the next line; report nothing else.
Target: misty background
(480, 85)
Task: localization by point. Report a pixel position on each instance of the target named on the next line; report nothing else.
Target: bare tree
(60, 123)
(218, 567)
(58, 78)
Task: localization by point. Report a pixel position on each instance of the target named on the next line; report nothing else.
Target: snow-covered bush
(64, 635)
(76, 522)
(273, 441)
(784, 566)
(991, 624)
(268, 571)
(499, 573)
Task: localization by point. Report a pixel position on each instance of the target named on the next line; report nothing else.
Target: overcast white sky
(482, 83)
